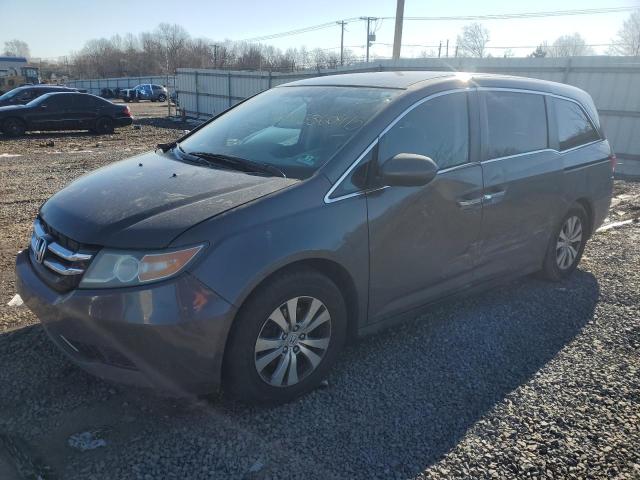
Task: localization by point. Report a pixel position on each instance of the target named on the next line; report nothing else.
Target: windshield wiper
(236, 162)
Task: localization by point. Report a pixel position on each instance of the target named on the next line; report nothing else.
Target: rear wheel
(162, 97)
(104, 125)
(285, 338)
(14, 127)
(567, 244)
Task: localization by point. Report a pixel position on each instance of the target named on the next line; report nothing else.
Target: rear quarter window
(574, 126)
(515, 122)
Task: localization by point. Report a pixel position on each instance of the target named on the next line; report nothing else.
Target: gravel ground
(531, 380)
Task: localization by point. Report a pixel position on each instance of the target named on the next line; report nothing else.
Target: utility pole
(447, 55)
(215, 55)
(439, 48)
(370, 36)
(397, 36)
(342, 24)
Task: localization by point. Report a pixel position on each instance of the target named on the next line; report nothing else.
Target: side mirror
(408, 170)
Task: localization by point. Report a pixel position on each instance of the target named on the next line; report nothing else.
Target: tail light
(127, 112)
(614, 161)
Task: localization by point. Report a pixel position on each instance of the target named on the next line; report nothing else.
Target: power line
(298, 31)
(509, 16)
(499, 16)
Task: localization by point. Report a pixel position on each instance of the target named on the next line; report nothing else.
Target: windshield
(10, 94)
(40, 99)
(295, 129)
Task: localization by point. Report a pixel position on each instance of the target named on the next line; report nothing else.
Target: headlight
(119, 268)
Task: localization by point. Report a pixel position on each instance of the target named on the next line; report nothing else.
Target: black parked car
(248, 252)
(64, 111)
(23, 95)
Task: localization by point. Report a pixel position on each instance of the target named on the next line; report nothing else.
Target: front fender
(249, 244)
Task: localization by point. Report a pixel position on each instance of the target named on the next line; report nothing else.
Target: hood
(148, 200)
(10, 107)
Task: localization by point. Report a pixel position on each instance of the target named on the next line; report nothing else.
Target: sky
(54, 28)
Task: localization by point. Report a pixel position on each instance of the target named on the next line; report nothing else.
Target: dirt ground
(532, 380)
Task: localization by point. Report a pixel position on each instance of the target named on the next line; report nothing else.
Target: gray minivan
(245, 254)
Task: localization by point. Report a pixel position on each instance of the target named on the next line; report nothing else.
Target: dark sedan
(64, 111)
(27, 93)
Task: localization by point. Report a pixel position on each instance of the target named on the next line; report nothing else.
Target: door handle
(493, 197)
(468, 204)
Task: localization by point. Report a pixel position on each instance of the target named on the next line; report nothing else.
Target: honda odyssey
(246, 253)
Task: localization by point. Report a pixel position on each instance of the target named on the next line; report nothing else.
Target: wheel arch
(14, 117)
(330, 268)
(588, 208)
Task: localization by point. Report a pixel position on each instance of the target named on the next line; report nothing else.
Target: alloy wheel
(292, 341)
(568, 243)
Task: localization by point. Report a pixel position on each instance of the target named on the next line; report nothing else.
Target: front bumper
(169, 336)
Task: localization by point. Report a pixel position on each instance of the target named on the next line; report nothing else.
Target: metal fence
(95, 86)
(613, 82)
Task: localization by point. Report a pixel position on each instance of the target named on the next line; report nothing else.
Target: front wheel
(14, 127)
(566, 245)
(285, 338)
(162, 97)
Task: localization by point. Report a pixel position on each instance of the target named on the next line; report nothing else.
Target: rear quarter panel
(588, 176)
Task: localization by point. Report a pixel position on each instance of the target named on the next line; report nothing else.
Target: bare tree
(150, 53)
(173, 39)
(473, 41)
(628, 40)
(569, 46)
(16, 48)
(539, 52)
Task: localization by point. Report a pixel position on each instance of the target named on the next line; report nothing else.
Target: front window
(10, 94)
(438, 128)
(295, 129)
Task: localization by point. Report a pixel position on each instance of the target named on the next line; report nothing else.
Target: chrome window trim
(547, 94)
(327, 197)
(400, 116)
(515, 155)
(328, 200)
(559, 152)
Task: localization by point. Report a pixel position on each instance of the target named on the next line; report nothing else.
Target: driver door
(423, 240)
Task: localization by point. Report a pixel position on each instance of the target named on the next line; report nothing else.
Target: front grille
(59, 260)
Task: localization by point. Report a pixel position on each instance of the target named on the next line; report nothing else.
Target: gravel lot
(531, 380)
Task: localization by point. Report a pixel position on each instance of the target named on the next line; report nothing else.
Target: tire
(259, 358)
(103, 125)
(557, 265)
(162, 97)
(14, 127)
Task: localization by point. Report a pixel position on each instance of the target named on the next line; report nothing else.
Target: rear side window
(58, 101)
(574, 127)
(439, 129)
(516, 123)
